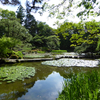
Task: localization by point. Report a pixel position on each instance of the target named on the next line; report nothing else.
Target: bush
(16, 55)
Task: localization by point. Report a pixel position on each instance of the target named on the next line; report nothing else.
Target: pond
(45, 85)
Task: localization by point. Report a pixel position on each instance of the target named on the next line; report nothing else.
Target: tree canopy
(88, 6)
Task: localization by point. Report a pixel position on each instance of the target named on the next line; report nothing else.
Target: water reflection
(45, 85)
(45, 89)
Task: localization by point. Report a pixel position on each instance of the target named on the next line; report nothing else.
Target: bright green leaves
(74, 37)
(87, 34)
(65, 35)
(6, 43)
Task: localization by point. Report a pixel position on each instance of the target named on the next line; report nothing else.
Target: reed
(82, 86)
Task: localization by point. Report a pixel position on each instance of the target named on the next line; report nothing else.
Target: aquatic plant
(13, 73)
(66, 62)
(81, 86)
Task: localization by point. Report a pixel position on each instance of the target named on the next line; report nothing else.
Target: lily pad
(13, 73)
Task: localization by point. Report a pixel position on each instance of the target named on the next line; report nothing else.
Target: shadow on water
(45, 85)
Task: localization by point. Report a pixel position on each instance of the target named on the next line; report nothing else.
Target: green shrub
(16, 55)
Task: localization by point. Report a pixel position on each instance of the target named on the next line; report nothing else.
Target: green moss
(11, 74)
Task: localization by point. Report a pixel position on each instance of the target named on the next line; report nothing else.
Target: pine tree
(20, 13)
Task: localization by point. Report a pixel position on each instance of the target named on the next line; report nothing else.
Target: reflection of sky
(45, 89)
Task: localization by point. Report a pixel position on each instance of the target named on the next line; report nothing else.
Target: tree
(6, 45)
(88, 37)
(30, 24)
(43, 29)
(12, 28)
(12, 2)
(20, 13)
(52, 42)
(88, 6)
(65, 32)
(7, 14)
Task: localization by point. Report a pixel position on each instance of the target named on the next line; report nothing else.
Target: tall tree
(87, 38)
(30, 24)
(65, 32)
(7, 14)
(20, 13)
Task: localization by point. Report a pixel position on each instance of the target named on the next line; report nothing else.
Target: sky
(44, 17)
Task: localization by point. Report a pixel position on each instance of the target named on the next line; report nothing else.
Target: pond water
(45, 85)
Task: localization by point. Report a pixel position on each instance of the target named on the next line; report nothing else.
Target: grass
(13, 73)
(81, 86)
(58, 51)
(40, 51)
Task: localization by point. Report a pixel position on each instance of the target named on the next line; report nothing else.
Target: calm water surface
(45, 85)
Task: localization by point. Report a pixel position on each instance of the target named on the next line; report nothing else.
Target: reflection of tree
(67, 72)
(19, 88)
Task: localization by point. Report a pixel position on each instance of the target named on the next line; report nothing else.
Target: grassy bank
(58, 51)
(81, 86)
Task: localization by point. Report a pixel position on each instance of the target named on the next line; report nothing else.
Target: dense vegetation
(21, 32)
(81, 86)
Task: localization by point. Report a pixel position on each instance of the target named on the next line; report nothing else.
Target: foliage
(23, 47)
(58, 51)
(88, 7)
(10, 27)
(30, 24)
(13, 73)
(82, 86)
(11, 2)
(52, 42)
(43, 29)
(13, 28)
(98, 45)
(64, 32)
(85, 48)
(7, 14)
(20, 13)
(6, 45)
(86, 37)
(38, 41)
(40, 51)
(18, 53)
